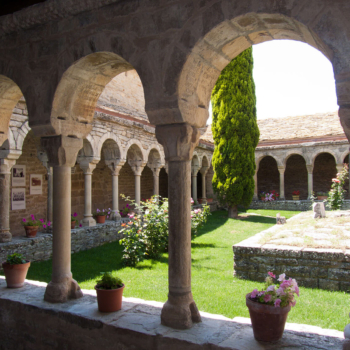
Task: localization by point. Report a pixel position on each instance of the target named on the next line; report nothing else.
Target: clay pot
(15, 274)
(209, 200)
(109, 300)
(267, 321)
(72, 224)
(100, 219)
(320, 198)
(31, 231)
(200, 200)
(295, 198)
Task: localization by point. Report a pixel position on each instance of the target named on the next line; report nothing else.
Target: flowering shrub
(45, 224)
(125, 211)
(103, 212)
(296, 193)
(269, 196)
(278, 292)
(73, 217)
(32, 221)
(336, 194)
(146, 234)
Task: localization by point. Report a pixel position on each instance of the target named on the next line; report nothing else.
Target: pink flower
(271, 274)
(49, 223)
(80, 225)
(192, 201)
(254, 293)
(282, 277)
(280, 291)
(293, 302)
(267, 298)
(107, 217)
(32, 216)
(270, 289)
(24, 220)
(277, 302)
(75, 214)
(336, 180)
(285, 284)
(261, 293)
(44, 226)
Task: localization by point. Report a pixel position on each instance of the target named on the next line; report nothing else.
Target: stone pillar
(88, 168)
(62, 153)
(194, 172)
(115, 168)
(49, 194)
(281, 170)
(203, 172)
(5, 178)
(137, 167)
(255, 196)
(339, 167)
(310, 185)
(179, 141)
(156, 181)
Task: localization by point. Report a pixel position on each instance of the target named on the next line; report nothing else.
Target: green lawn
(215, 290)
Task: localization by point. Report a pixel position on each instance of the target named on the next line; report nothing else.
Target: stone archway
(324, 171)
(268, 176)
(295, 176)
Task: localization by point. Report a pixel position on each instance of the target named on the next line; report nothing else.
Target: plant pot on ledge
(209, 200)
(31, 231)
(321, 198)
(295, 198)
(100, 219)
(15, 270)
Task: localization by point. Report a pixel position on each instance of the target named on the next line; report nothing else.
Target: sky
(291, 79)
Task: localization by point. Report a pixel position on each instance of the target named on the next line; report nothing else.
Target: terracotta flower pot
(295, 198)
(109, 300)
(320, 198)
(72, 224)
(200, 200)
(15, 274)
(267, 321)
(100, 219)
(209, 200)
(31, 231)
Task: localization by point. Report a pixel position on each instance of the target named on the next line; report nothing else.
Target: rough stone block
(338, 274)
(328, 284)
(308, 282)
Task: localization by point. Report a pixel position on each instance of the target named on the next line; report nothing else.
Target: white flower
(280, 291)
(282, 277)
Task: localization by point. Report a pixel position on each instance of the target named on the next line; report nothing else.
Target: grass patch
(214, 288)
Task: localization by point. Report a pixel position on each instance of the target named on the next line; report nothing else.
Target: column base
(180, 312)
(60, 292)
(115, 215)
(5, 236)
(88, 221)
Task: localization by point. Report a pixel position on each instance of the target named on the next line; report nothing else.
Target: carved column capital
(6, 165)
(194, 170)
(281, 169)
(339, 167)
(87, 164)
(178, 140)
(310, 169)
(137, 166)
(204, 170)
(62, 150)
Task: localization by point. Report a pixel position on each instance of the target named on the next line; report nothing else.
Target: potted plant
(31, 226)
(15, 270)
(109, 291)
(269, 308)
(100, 215)
(295, 195)
(210, 198)
(200, 200)
(73, 220)
(321, 195)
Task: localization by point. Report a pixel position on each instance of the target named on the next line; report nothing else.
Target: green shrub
(16, 259)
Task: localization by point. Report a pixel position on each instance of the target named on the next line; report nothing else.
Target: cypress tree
(235, 132)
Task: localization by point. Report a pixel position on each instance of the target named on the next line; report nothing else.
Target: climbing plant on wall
(235, 132)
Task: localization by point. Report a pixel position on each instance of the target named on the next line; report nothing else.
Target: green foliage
(108, 281)
(16, 259)
(235, 131)
(336, 194)
(146, 234)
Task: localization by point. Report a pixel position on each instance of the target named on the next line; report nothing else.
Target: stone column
(49, 194)
(255, 196)
(281, 170)
(310, 185)
(5, 178)
(137, 168)
(156, 181)
(339, 167)
(194, 172)
(115, 168)
(179, 141)
(62, 152)
(203, 172)
(88, 168)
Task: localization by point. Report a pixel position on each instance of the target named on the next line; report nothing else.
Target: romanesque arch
(324, 171)
(295, 176)
(268, 176)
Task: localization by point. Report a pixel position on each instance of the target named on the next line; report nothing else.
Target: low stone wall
(40, 247)
(314, 268)
(302, 205)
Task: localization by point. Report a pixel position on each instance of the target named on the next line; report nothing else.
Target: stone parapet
(40, 248)
(302, 205)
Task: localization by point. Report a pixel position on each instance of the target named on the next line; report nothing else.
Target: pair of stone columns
(194, 173)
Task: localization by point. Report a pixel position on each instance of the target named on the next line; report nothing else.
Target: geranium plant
(296, 193)
(269, 196)
(73, 218)
(103, 212)
(125, 211)
(32, 221)
(278, 292)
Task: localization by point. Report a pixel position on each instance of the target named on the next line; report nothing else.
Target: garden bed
(315, 252)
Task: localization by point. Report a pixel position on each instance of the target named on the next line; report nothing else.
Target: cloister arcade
(61, 66)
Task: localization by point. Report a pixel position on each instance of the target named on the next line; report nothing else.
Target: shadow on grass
(260, 219)
(203, 245)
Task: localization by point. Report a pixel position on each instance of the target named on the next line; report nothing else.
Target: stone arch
(295, 175)
(337, 158)
(195, 162)
(268, 177)
(205, 161)
(155, 155)
(135, 146)
(80, 86)
(16, 140)
(10, 93)
(324, 169)
(108, 136)
(221, 44)
(258, 159)
(292, 153)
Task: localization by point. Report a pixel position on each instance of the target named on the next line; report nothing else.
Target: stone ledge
(78, 324)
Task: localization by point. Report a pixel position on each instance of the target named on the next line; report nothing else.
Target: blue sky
(291, 79)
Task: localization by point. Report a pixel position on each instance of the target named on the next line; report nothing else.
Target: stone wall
(312, 268)
(295, 177)
(40, 247)
(302, 205)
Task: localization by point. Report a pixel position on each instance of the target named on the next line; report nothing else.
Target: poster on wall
(36, 184)
(18, 175)
(18, 198)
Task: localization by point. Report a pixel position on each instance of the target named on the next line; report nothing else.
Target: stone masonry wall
(312, 268)
(40, 247)
(35, 204)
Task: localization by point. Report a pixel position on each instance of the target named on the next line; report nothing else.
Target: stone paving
(140, 319)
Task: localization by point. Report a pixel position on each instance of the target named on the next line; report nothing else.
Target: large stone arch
(296, 175)
(337, 158)
(259, 158)
(324, 169)
(109, 136)
(267, 175)
(292, 153)
(223, 42)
